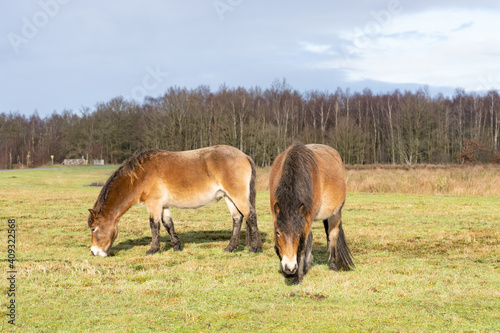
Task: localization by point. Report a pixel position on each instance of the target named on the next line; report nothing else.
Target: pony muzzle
(98, 252)
(289, 266)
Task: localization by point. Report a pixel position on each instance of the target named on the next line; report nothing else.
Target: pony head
(290, 233)
(104, 231)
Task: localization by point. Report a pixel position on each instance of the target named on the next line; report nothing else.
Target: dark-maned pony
(307, 183)
(190, 179)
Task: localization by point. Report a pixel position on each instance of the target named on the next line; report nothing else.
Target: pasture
(423, 263)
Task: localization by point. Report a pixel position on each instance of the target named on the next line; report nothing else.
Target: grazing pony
(190, 179)
(307, 183)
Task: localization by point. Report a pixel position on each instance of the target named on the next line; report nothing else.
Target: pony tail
(253, 191)
(343, 253)
(250, 241)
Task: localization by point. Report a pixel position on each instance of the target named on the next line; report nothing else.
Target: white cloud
(315, 48)
(441, 48)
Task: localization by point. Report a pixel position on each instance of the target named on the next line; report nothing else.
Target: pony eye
(278, 234)
(93, 229)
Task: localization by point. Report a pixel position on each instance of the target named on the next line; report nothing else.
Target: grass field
(423, 263)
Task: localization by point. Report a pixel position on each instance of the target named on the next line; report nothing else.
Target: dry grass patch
(457, 180)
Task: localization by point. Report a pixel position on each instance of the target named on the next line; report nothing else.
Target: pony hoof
(333, 267)
(229, 249)
(151, 252)
(255, 250)
(177, 248)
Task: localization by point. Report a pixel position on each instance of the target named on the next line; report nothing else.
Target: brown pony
(307, 183)
(190, 179)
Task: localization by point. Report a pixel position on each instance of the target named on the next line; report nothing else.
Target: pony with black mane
(307, 183)
(160, 179)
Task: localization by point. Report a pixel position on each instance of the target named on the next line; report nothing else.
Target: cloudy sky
(70, 54)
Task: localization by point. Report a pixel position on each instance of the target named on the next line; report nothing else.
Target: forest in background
(366, 128)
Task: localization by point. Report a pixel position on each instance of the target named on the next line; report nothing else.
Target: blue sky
(71, 54)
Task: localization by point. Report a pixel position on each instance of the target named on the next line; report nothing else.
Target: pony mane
(295, 188)
(127, 169)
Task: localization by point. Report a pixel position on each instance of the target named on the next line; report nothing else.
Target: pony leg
(245, 208)
(308, 257)
(237, 219)
(168, 223)
(252, 232)
(339, 254)
(305, 258)
(154, 223)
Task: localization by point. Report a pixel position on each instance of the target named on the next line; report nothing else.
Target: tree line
(397, 127)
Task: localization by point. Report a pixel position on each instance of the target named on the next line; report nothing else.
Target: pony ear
(92, 212)
(276, 208)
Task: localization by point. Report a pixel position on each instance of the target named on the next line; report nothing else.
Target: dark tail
(253, 241)
(253, 191)
(344, 256)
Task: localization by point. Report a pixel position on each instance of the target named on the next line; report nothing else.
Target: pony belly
(323, 214)
(328, 208)
(194, 200)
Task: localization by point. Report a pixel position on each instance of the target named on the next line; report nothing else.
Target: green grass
(423, 263)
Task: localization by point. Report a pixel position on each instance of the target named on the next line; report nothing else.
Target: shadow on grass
(320, 254)
(319, 247)
(197, 237)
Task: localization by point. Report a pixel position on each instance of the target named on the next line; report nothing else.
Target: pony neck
(121, 196)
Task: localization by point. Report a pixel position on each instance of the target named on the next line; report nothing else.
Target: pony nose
(289, 267)
(290, 270)
(96, 251)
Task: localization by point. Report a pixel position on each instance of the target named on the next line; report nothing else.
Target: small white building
(74, 161)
